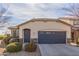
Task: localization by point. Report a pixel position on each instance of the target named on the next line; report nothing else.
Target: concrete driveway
(58, 50)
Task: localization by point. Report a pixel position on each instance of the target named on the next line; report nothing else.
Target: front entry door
(26, 35)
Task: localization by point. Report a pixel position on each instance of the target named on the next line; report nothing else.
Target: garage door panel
(51, 37)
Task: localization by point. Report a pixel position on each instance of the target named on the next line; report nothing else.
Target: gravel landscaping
(1, 51)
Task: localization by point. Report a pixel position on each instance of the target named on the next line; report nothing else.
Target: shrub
(30, 47)
(14, 47)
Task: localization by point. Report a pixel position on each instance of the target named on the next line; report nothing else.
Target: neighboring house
(14, 31)
(74, 21)
(45, 31)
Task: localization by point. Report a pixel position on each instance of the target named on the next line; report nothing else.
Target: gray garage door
(51, 37)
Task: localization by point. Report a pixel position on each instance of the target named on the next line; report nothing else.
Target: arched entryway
(26, 35)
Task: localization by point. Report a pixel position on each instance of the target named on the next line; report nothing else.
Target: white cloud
(24, 11)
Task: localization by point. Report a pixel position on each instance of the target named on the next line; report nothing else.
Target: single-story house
(46, 31)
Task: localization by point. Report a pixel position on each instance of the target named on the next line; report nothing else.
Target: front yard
(21, 53)
(12, 49)
(24, 53)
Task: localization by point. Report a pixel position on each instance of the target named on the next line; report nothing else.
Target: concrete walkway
(58, 50)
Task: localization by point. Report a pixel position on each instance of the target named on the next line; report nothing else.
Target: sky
(21, 12)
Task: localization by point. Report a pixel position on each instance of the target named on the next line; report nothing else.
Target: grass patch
(2, 37)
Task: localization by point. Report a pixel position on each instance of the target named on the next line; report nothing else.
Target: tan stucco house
(47, 30)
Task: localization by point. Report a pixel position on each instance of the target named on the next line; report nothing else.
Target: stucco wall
(43, 26)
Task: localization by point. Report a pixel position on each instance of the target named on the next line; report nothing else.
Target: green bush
(30, 47)
(14, 47)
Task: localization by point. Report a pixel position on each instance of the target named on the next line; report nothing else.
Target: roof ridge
(69, 18)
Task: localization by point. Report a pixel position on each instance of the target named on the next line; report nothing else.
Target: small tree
(72, 10)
